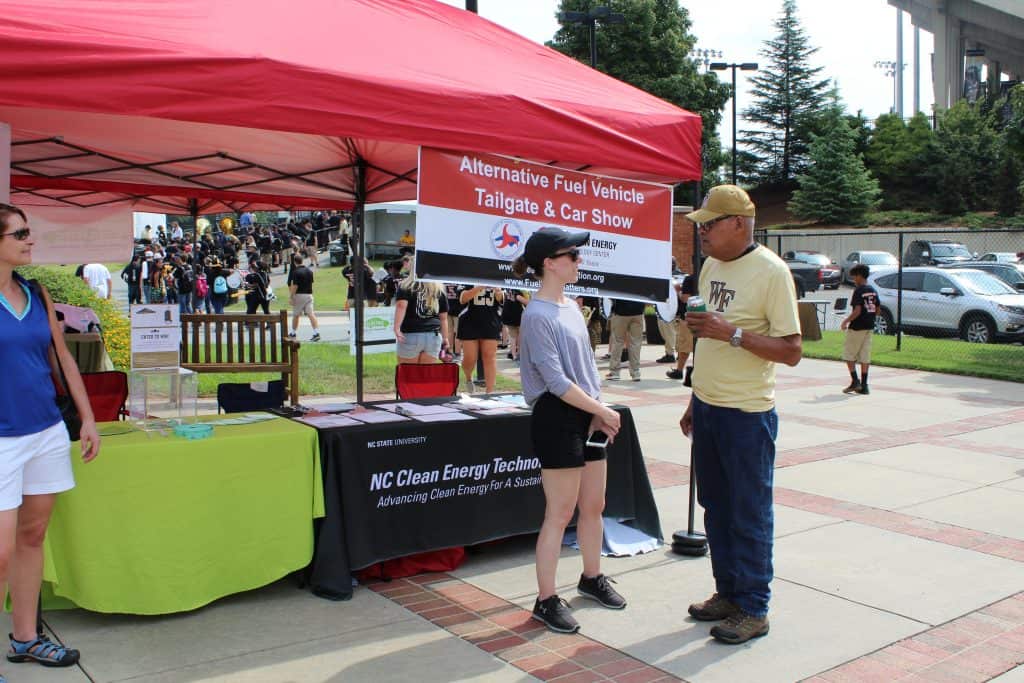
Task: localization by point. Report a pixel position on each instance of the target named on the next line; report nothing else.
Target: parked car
(950, 302)
(1000, 257)
(936, 253)
(871, 259)
(1010, 273)
(807, 277)
(829, 268)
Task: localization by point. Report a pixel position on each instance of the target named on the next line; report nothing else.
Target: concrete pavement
(899, 556)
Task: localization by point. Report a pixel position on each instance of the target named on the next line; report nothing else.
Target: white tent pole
(5, 163)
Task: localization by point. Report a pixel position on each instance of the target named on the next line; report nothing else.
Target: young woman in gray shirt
(561, 383)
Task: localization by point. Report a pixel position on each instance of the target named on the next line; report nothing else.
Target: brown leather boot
(713, 609)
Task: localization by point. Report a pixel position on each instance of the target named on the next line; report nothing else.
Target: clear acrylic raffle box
(162, 398)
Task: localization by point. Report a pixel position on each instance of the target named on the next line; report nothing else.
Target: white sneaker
(468, 387)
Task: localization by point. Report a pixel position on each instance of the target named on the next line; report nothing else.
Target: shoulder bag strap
(58, 371)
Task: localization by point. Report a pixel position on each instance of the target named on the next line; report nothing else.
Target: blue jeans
(184, 303)
(734, 462)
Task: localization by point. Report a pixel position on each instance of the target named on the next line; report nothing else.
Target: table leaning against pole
(160, 524)
(400, 488)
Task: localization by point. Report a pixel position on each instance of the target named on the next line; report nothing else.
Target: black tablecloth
(400, 488)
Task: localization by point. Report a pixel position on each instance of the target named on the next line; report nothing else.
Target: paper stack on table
(426, 413)
(333, 407)
(324, 421)
(467, 402)
(415, 409)
(370, 416)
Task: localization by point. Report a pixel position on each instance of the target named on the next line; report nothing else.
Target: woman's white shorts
(34, 464)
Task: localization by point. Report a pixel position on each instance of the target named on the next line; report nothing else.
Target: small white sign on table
(156, 336)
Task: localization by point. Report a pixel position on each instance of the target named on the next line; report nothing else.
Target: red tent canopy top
(283, 99)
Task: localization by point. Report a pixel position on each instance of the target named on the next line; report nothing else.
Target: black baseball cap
(546, 241)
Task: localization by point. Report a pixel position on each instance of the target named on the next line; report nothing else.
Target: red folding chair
(108, 393)
(426, 381)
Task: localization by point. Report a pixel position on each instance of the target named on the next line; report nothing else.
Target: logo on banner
(507, 239)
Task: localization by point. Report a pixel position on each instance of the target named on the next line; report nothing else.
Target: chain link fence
(953, 297)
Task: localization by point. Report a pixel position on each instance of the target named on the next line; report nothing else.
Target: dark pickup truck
(806, 276)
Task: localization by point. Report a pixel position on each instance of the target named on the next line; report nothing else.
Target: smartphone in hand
(597, 439)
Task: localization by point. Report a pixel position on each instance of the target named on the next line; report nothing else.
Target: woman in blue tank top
(35, 450)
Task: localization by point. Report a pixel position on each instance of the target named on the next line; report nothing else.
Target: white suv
(962, 302)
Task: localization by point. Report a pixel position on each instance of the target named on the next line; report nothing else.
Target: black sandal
(42, 650)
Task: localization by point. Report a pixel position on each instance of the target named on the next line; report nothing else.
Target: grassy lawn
(996, 361)
(329, 370)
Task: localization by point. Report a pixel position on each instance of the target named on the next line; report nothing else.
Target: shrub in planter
(65, 288)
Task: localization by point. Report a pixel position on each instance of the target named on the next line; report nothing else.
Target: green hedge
(65, 288)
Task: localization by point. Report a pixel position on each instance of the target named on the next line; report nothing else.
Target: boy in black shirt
(859, 326)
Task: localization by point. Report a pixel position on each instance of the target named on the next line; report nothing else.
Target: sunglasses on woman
(20, 235)
(573, 254)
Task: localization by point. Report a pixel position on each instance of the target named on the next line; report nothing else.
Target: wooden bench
(241, 343)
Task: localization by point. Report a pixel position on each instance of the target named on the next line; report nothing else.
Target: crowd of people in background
(205, 271)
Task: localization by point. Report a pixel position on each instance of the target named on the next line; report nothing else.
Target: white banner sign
(476, 212)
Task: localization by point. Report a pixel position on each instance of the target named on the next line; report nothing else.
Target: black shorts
(559, 434)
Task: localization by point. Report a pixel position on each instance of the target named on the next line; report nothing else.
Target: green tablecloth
(160, 524)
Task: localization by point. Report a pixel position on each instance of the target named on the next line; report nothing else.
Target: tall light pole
(603, 14)
(705, 56)
(722, 66)
(888, 67)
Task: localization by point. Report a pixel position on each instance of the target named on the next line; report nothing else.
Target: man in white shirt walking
(97, 277)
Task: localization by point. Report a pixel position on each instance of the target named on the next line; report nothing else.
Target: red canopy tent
(207, 105)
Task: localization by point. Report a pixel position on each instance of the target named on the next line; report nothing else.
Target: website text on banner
(476, 212)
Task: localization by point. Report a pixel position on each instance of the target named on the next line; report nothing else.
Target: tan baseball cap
(723, 200)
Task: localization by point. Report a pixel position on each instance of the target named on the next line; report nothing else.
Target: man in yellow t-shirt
(751, 323)
(407, 239)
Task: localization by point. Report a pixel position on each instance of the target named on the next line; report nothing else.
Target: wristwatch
(737, 337)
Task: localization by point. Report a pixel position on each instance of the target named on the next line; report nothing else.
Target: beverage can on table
(696, 304)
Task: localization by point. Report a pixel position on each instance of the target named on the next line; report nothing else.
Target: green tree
(788, 96)
(650, 50)
(836, 187)
(897, 155)
(1012, 113)
(962, 160)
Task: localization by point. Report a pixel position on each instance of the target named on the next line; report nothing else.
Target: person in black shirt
(421, 321)
(184, 283)
(511, 317)
(132, 275)
(257, 286)
(627, 329)
(391, 282)
(479, 331)
(451, 291)
(369, 284)
(300, 284)
(859, 326)
(684, 338)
